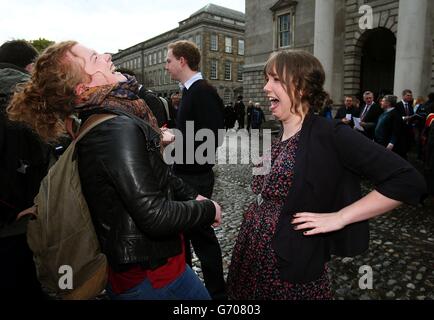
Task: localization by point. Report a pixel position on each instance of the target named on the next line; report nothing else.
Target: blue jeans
(186, 287)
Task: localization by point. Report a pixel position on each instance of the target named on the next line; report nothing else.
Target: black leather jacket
(139, 208)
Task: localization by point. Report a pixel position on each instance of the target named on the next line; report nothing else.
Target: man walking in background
(202, 105)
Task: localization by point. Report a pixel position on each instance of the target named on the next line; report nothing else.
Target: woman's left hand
(318, 222)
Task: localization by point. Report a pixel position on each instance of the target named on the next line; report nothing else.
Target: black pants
(241, 122)
(204, 240)
(17, 270)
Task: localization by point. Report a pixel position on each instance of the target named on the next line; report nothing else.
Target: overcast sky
(103, 25)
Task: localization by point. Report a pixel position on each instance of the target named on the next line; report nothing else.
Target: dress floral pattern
(253, 272)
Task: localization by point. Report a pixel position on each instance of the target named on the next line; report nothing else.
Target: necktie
(406, 109)
(365, 112)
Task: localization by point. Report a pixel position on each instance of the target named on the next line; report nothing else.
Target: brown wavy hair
(188, 50)
(48, 97)
(302, 76)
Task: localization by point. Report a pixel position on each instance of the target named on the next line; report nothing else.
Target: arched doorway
(377, 69)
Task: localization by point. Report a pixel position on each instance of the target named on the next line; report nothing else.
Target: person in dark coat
(423, 112)
(240, 111)
(175, 100)
(409, 118)
(250, 107)
(369, 115)
(347, 112)
(24, 161)
(257, 116)
(389, 129)
(309, 203)
(327, 111)
(429, 154)
(230, 116)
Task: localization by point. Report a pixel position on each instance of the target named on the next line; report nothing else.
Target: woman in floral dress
(309, 205)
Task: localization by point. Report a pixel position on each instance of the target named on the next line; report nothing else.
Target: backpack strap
(92, 122)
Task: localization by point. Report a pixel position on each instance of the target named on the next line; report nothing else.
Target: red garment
(429, 120)
(159, 278)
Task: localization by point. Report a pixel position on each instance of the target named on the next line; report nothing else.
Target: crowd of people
(238, 114)
(147, 215)
(400, 126)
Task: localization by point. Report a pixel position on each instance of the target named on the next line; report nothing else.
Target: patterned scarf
(121, 95)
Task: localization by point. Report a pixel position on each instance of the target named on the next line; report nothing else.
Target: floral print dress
(253, 272)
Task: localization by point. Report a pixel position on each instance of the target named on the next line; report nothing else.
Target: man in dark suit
(388, 131)
(369, 115)
(347, 112)
(405, 110)
(201, 105)
(405, 106)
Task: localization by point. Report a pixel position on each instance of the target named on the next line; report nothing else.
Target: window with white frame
(228, 44)
(150, 60)
(214, 69)
(154, 58)
(164, 54)
(228, 70)
(240, 73)
(241, 47)
(283, 30)
(284, 23)
(214, 42)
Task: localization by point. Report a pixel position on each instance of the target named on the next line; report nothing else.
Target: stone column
(410, 47)
(324, 38)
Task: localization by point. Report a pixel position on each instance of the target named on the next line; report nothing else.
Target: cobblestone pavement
(401, 251)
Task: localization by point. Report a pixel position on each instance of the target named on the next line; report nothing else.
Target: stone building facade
(219, 34)
(383, 46)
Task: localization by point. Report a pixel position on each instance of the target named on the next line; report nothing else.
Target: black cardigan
(330, 160)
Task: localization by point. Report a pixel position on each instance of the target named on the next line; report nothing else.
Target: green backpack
(65, 247)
